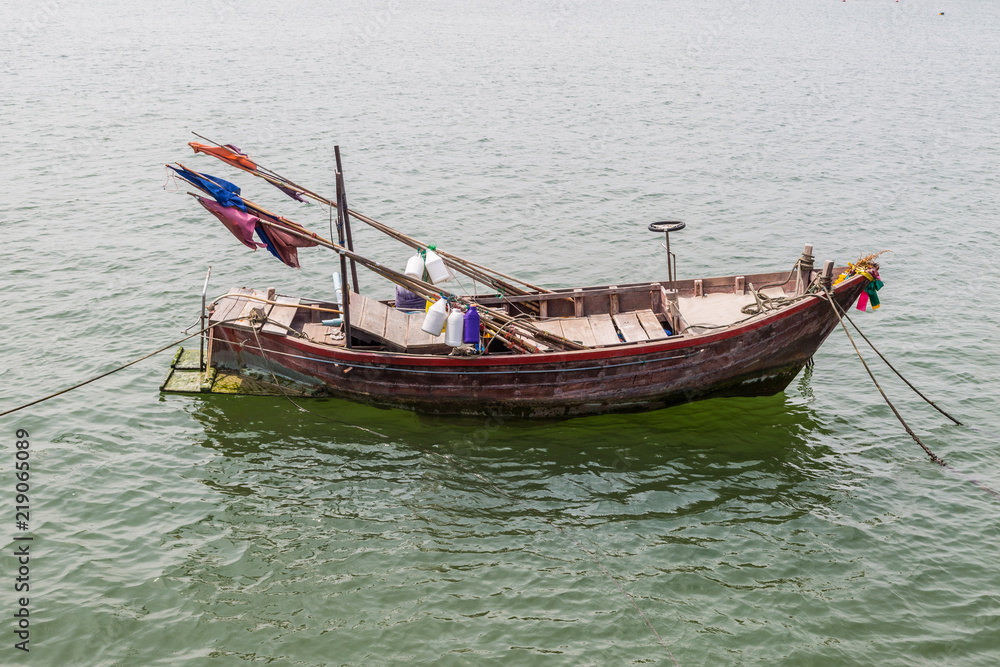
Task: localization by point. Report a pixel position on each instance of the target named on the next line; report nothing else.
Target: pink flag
(239, 223)
(283, 244)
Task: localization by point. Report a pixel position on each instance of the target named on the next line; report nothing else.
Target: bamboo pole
(497, 279)
(427, 290)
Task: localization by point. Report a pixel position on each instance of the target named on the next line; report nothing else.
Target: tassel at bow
(871, 291)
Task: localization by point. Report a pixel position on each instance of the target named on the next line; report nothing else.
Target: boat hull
(757, 358)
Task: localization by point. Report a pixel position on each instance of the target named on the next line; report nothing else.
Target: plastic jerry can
(454, 328)
(415, 267)
(435, 318)
(436, 269)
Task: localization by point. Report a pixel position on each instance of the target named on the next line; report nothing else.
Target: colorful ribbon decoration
(871, 291)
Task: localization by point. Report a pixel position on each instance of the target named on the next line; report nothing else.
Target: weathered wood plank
(357, 303)
(604, 330)
(418, 340)
(578, 329)
(651, 325)
(396, 325)
(373, 320)
(281, 316)
(250, 304)
(551, 326)
(320, 333)
(233, 301)
(628, 325)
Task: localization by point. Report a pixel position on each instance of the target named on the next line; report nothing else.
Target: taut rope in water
(934, 457)
(163, 349)
(893, 368)
(115, 370)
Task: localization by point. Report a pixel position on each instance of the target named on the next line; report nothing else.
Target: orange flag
(230, 154)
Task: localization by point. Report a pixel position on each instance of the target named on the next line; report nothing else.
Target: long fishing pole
(426, 289)
(420, 287)
(468, 267)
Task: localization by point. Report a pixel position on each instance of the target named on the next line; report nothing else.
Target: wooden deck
(381, 324)
(238, 304)
(602, 330)
(398, 331)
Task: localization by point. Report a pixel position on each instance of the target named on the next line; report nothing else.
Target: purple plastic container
(471, 326)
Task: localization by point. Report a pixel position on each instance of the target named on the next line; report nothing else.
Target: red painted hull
(760, 357)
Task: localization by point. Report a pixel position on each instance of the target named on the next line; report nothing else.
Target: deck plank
(578, 329)
(418, 340)
(357, 309)
(396, 325)
(232, 301)
(651, 325)
(553, 327)
(281, 315)
(320, 333)
(604, 330)
(373, 320)
(251, 304)
(628, 325)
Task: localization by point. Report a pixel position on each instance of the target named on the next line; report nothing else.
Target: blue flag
(222, 191)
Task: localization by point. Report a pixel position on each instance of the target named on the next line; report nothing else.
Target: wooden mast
(342, 207)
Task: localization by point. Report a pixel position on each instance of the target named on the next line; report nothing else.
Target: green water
(541, 138)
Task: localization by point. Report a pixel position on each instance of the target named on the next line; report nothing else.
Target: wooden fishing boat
(629, 363)
(535, 352)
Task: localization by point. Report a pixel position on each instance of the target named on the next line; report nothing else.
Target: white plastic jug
(415, 267)
(436, 317)
(455, 328)
(436, 268)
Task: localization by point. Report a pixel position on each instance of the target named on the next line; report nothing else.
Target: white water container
(436, 317)
(338, 288)
(436, 269)
(415, 267)
(455, 328)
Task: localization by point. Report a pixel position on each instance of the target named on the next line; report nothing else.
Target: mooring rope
(568, 536)
(163, 349)
(934, 457)
(893, 368)
(115, 370)
(337, 421)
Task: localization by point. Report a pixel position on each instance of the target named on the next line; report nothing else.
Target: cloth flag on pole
(222, 191)
(227, 153)
(240, 223)
(282, 245)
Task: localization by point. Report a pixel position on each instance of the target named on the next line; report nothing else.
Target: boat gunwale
(387, 358)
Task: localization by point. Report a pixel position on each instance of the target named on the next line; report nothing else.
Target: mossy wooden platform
(186, 377)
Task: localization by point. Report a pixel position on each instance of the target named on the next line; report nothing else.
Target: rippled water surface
(540, 138)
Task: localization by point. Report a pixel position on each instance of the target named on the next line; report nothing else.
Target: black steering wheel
(667, 226)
